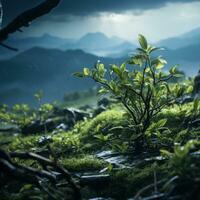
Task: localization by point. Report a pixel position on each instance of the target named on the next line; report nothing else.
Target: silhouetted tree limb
(25, 18)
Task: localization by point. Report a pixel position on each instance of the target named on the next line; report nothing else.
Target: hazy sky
(156, 19)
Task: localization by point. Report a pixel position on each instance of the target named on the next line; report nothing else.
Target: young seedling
(140, 85)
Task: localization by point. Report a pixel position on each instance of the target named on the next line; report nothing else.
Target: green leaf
(173, 70)
(123, 66)
(110, 167)
(86, 71)
(78, 74)
(138, 77)
(143, 42)
(178, 75)
(101, 70)
(151, 49)
(159, 63)
(189, 89)
(103, 91)
(26, 187)
(137, 60)
(196, 104)
(116, 70)
(161, 122)
(141, 50)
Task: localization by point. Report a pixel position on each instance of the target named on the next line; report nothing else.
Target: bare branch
(24, 19)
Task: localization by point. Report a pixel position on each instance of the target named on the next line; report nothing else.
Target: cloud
(92, 7)
(156, 19)
(86, 7)
(155, 24)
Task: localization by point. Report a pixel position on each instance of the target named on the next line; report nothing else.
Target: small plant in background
(38, 96)
(183, 167)
(45, 111)
(140, 85)
(20, 114)
(4, 114)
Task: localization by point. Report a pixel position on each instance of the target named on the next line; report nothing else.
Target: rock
(160, 196)
(127, 160)
(105, 102)
(62, 119)
(62, 126)
(63, 122)
(86, 107)
(99, 110)
(104, 154)
(101, 180)
(195, 123)
(34, 127)
(45, 140)
(71, 113)
(185, 99)
(116, 159)
(79, 114)
(39, 127)
(100, 198)
(9, 128)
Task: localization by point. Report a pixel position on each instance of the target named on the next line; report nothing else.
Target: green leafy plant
(183, 167)
(140, 85)
(44, 111)
(20, 114)
(4, 114)
(181, 158)
(38, 96)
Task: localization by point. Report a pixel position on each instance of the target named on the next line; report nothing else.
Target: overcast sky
(156, 19)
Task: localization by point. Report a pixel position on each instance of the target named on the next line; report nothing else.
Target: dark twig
(34, 176)
(25, 18)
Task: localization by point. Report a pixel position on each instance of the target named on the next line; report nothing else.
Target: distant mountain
(46, 40)
(187, 57)
(96, 43)
(189, 38)
(22, 44)
(47, 69)
(122, 50)
(183, 50)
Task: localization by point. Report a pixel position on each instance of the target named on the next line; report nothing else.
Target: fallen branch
(25, 174)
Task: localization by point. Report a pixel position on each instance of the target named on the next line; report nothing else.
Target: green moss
(83, 163)
(109, 118)
(60, 142)
(174, 116)
(25, 143)
(127, 182)
(66, 140)
(101, 124)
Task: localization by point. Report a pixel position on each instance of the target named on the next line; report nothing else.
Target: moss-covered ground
(76, 150)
